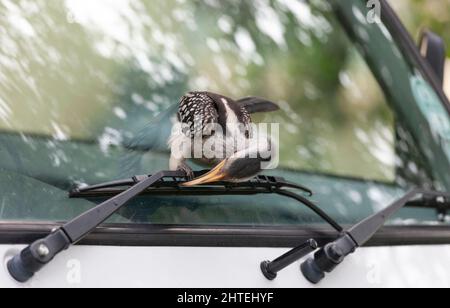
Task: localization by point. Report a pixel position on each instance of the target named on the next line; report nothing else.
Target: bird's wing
(197, 110)
(257, 104)
(150, 138)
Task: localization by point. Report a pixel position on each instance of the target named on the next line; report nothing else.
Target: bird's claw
(187, 170)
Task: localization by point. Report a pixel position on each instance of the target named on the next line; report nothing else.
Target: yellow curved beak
(215, 175)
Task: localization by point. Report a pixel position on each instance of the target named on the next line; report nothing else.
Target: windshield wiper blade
(170, 184)
(34, 257)
(334, 253)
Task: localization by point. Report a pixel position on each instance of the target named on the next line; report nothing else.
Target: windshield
(88, 98)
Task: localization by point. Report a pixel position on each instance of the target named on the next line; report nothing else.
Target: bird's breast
(220, 146)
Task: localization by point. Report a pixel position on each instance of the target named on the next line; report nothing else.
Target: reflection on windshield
(88, 97)
(136, 59)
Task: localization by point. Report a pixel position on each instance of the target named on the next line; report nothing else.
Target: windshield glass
(88, 97)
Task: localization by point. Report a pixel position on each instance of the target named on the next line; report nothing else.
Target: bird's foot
(186, 169)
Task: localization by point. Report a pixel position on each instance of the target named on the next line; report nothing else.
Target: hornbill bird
(222, 128)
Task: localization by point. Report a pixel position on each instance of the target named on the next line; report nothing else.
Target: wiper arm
(33, 258)
(332, 254)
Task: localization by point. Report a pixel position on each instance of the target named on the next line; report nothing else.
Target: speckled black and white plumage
(199, 112)
(198, 109)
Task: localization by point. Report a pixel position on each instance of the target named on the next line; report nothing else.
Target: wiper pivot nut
(328, 258)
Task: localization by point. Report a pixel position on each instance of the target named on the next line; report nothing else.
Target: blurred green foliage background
(431, 14)
(419, 14)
